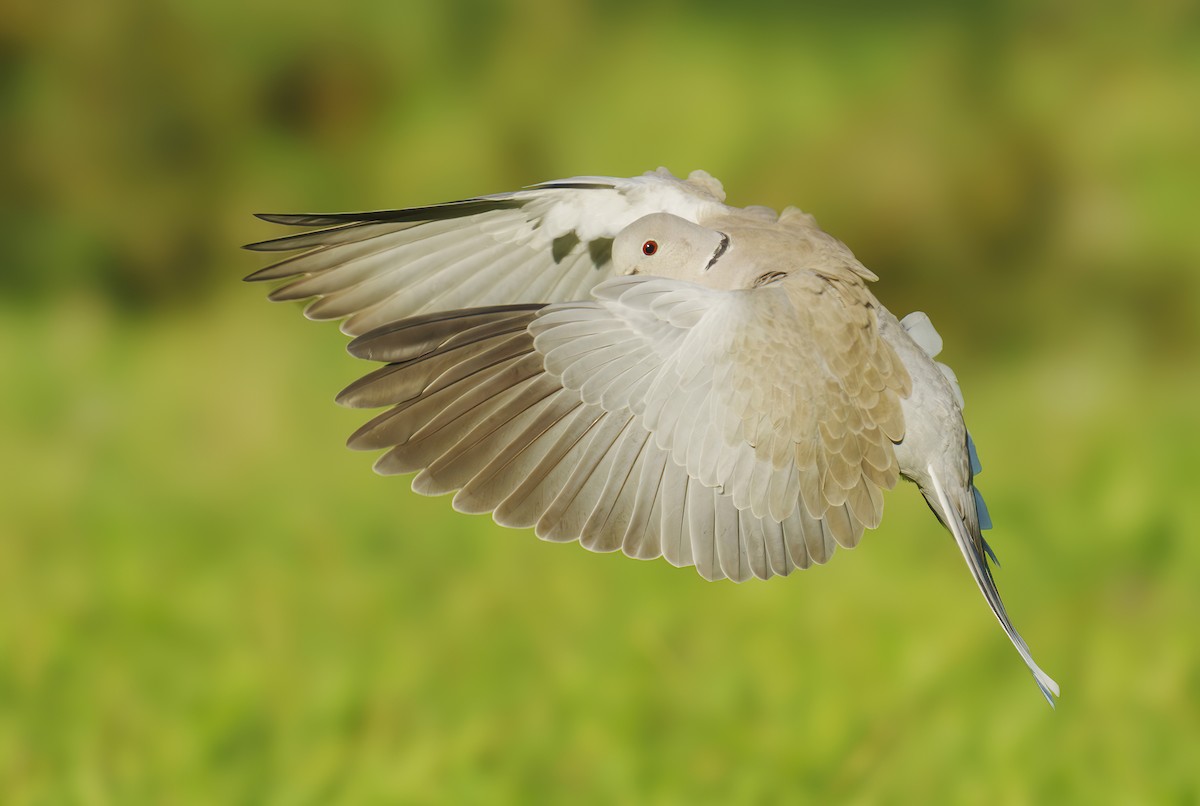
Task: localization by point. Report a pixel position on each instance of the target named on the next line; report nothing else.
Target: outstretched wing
(641, 420)
(549, 243)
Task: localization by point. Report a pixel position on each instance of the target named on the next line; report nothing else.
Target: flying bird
(634, 364)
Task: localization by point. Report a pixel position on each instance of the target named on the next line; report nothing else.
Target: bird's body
(633, 364)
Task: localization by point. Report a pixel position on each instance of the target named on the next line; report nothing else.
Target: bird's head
(666, 245)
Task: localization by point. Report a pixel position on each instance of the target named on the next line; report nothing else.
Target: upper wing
(549, 243)
(642, 420)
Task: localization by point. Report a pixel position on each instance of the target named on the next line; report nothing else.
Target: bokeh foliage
(204, 598)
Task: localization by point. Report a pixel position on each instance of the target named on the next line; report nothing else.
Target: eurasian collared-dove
(633, 364)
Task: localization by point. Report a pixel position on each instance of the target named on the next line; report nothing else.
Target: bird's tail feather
(961, 525)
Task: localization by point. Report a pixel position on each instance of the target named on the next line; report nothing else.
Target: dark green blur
(204, 598)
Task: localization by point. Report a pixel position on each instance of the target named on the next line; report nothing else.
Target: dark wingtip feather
(266, 273)
(415, 336)
(310, 219)
(274, 218)
(286, 243)
(269, 245)
(410, 215)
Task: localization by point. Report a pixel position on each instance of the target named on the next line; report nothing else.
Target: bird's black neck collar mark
(721, 247)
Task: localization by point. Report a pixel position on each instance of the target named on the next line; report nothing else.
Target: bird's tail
(963, 522)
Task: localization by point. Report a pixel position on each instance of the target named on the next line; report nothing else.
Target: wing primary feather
(345, 233)
(417, 336)
(643, 540)
(538, 487)
(606, 526)
(575, 501)
(501, 435)
(431, 212)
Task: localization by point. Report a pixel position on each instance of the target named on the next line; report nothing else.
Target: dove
(635, 365)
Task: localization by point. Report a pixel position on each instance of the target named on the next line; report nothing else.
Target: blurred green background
(204, 598)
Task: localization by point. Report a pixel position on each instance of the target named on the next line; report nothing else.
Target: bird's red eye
(649, 248)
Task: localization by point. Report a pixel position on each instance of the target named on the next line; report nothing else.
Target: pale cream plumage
(633, 364)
